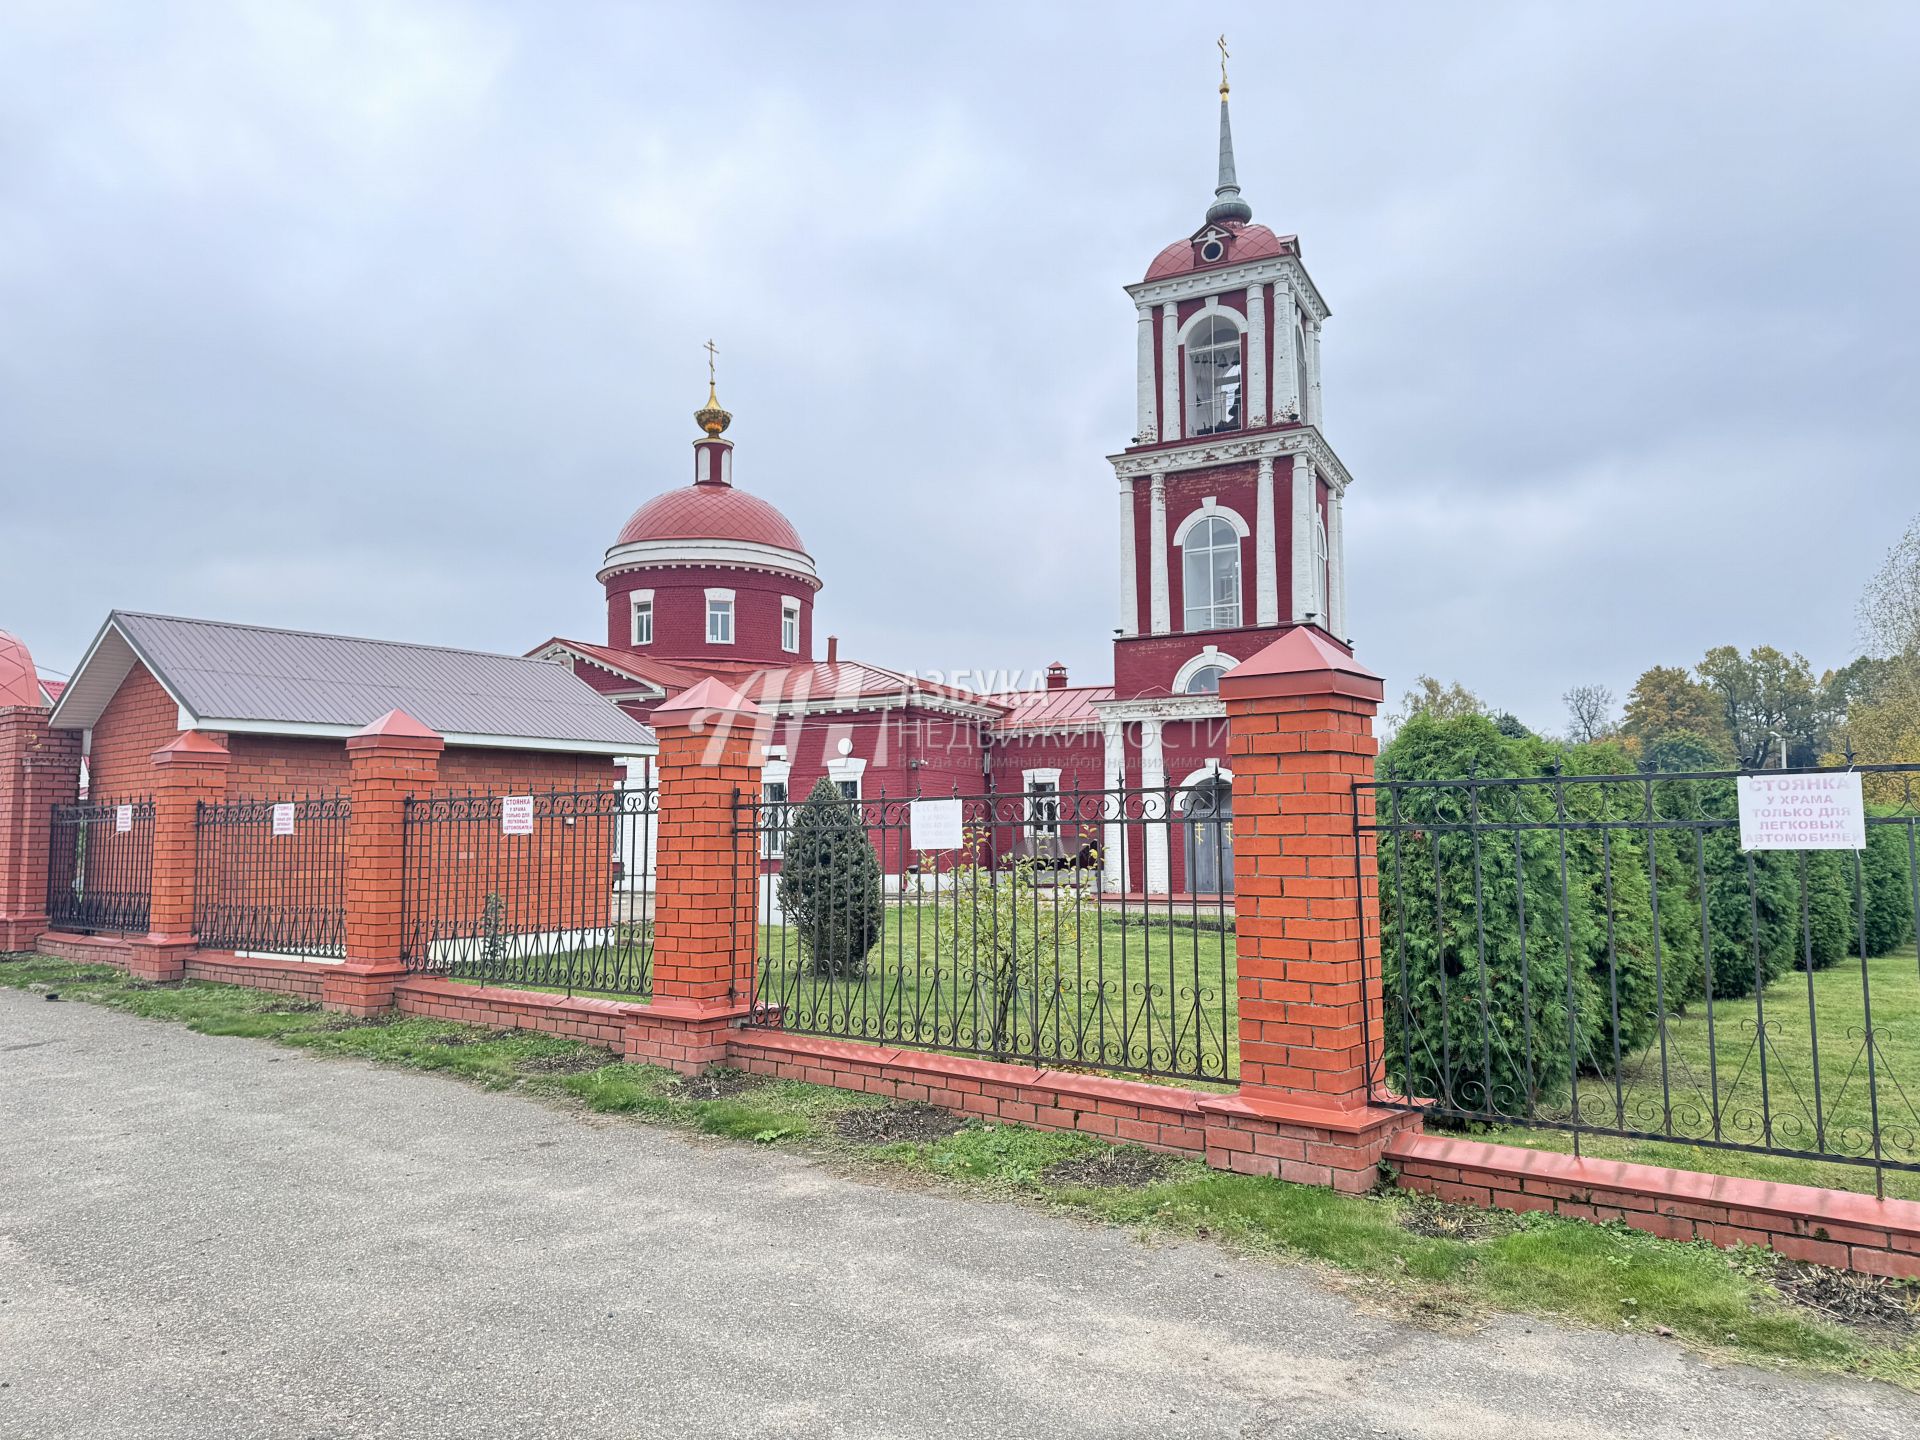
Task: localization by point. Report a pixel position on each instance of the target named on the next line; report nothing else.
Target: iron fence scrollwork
(100, 866)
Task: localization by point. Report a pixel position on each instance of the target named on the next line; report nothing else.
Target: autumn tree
(1668, 704)
(1890, 606)
(1436, 701)
(1885, 730)
(1589, 714)
(1764, 696)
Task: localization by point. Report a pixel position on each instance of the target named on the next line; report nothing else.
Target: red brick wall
(285, 767)
(39, 768)
(139, 719)
(680, 615)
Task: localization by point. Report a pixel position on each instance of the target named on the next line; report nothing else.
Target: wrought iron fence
(551, 891)
(100, 866)
(270, 876)
(1058, 927)
(1596, 954)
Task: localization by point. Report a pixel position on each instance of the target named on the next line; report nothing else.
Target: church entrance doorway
(1207, 810)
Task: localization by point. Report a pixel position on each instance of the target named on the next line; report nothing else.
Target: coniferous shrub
(1887, 872)
(1491, 1006)
(830, 884)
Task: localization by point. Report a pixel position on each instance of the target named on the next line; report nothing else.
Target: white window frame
(639, 603)
(1211, 509)
(1212, 655)
(732, 627)
(776, 814)
(790, 620)
(847, 770)
(1036, 826)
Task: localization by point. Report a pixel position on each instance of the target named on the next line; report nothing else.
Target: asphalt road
(209, 1237)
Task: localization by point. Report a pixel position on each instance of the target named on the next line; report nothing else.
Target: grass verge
(1424, 1257)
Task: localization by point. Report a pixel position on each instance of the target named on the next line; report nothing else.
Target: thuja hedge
(1513, 957)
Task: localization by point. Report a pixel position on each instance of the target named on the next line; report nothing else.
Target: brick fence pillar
(191, 769)
(394, 757)
(1300, 726)
(706, 879)
(39, 768)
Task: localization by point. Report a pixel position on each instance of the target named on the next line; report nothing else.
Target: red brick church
(1230, 532)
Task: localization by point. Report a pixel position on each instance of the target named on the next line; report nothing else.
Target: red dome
(1244, 242)
(19, 681)
(711, 512)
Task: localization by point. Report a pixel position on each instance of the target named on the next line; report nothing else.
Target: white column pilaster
(1256, 355)
(1170, 419)
(1159, 602)
(1148, 422)
(1303, 507)
(1316, 412)
(1266, 559)
(1153, 777)
(1113, 809)
(1286, 366)
(1336, 565)
(1129, 580)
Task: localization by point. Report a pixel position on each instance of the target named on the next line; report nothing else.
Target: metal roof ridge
(319, 635)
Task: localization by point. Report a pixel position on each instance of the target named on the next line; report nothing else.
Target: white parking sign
(516, 815)
(1802, 812)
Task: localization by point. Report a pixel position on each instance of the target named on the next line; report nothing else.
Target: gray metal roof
(251, 678)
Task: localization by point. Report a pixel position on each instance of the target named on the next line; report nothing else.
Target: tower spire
(1227, 204)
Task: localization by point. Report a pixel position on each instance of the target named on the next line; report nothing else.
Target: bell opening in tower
(1213, 377)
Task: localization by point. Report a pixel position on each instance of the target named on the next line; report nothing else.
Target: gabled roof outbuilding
(250, 679)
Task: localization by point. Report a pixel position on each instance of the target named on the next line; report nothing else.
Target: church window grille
(1043, 801)
(773, 798)
(1213, 376)
(1210, 575)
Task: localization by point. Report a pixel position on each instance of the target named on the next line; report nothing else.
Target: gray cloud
(381, 318)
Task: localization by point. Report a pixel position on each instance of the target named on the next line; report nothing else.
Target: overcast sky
(381, 318)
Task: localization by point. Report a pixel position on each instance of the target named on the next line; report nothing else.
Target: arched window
(1213, 376)
(1205, 680)
(1319, 598)
(1210, 575)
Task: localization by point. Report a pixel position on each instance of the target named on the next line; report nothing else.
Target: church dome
(710, 512)
(1239, 242)
(19, 681)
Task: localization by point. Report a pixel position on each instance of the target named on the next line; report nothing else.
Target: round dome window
(1211, 250)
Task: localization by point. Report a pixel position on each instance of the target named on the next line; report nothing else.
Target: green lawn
(1787, 1114)
(1086, 986)
(1422, 1257)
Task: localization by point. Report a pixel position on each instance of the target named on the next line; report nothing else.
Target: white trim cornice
(1219, 449)
(1284, 269)
(725, 554)
(1162, 707)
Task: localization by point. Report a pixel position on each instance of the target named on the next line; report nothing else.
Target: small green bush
(830, 884)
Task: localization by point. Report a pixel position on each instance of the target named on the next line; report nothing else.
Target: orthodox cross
(712, 351)
(1222, 42)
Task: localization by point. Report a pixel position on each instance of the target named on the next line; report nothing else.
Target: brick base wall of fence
(1823, 1227)
(1827, 1227)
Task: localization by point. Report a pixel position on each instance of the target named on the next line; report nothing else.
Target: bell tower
(1230, 496)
